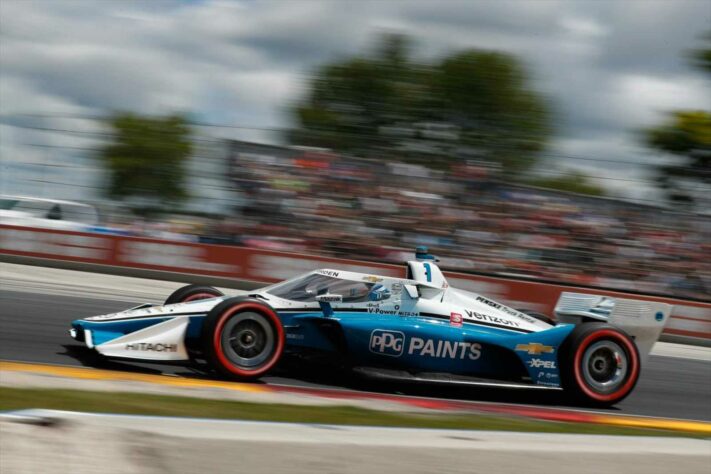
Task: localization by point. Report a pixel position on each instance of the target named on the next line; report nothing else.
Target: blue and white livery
(414, 328)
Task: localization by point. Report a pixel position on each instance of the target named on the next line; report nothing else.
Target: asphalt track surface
(33, 328)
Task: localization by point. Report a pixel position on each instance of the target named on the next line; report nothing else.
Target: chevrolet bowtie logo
(535, 348)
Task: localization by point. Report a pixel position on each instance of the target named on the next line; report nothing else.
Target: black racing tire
(599, 364)
(193, 293)
(539, 316)
(243, 338)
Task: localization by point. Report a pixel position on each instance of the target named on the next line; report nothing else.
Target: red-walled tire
(243, 338)
(193, 293)
(600, 364)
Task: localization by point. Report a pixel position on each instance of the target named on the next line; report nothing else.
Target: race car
(416, 328)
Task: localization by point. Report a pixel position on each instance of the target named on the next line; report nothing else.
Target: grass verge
(162, 405)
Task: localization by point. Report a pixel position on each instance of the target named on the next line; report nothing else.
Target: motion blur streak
(536, 147)
(551, 414)
(565, 141)
(93, 374)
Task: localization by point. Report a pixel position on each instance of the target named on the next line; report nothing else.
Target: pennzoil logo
(535, 348)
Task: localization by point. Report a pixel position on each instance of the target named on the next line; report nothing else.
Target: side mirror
(412, 291)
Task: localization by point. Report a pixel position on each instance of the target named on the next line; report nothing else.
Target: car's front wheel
(600, 364)
(243, 338)
(193, 293)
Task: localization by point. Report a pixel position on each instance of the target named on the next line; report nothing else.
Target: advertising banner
(689, 318)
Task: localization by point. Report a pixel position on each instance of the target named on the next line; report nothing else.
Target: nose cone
(77, 331)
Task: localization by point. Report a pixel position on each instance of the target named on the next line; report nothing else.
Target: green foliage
(686, 134)
(486, 93)
(165, 405)
(702, 57)
(385, 104)
(146, 158)
(573, 182)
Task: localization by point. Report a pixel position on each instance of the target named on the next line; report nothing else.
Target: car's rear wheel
(193, 293)
(243, 338)
(600, 364)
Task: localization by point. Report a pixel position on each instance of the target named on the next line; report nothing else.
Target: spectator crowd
(369, 210)
(315, 202)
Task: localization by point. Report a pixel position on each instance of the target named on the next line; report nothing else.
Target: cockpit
(306, 288)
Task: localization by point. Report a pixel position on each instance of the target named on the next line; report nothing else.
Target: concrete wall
(62, 442)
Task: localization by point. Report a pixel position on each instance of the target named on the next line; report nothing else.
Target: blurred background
(555, 140)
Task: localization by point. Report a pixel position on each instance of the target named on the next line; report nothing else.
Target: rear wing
(643, 320)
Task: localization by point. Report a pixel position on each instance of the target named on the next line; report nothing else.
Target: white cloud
(609, 67)
(579, 26)
(645, 98)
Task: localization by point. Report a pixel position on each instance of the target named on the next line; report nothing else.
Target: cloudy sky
(610, 68)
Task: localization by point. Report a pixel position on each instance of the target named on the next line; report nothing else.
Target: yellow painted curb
(87, 373)
(656, 423)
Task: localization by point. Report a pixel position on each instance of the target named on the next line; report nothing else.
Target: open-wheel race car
(413, 328)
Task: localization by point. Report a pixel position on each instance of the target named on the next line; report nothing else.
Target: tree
(146, 158)
(701, 57)
(573, 182)
(485, 94)
(686, 134)
(472, 103)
